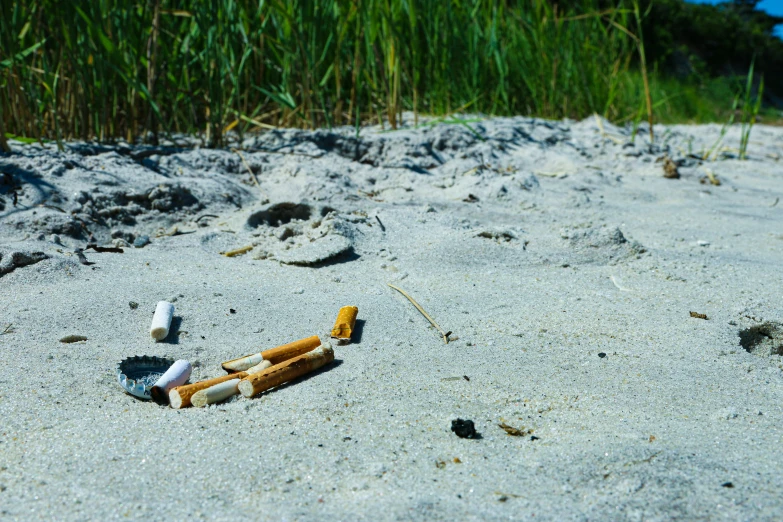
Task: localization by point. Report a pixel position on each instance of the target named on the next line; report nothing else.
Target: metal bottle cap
(138, 374)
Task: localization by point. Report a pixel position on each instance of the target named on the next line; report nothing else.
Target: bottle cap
(137, 375)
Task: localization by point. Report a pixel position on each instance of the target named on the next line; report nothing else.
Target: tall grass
(107, 69)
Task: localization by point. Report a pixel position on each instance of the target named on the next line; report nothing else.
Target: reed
(109, 69)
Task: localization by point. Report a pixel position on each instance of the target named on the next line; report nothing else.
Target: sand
(564, 263)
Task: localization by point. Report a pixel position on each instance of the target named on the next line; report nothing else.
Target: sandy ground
(560, 257)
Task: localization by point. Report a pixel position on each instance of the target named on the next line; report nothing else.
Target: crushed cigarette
(346, 320)
(286, 371)
(273, 355)
(161, 321)
(425, 314)
(177, 375)
(238, 251)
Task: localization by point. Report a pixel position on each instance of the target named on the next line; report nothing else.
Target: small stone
(464, 429)
(141, 241)
(727, 485)
(54, 238)
(120, 243)
(602, 355)
(133, 305)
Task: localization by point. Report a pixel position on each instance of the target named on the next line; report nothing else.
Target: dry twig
(425, 314)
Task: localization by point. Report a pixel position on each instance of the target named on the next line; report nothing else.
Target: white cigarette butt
(263, 365)
(177, 375)
(241, 365)
(161, 321)
(215, 393)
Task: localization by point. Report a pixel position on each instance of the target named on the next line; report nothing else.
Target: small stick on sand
(253, 174)
(287, 371)
(425, 314)
(238, 251)
(273, 355)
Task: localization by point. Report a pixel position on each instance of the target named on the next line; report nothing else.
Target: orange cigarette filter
(346, 320)
(289, 370)
(180, 396)
(273, 355)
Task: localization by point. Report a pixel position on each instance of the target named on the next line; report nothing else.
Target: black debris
(466, 377)
(133, 304)
(602, 355)
(727, 485)
(533, 437)
(231, 310)
(464, 429)
(100, 249)
(383, 228)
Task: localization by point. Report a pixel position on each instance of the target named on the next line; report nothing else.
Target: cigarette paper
(216, 393)
(286, 371)
(346, 320)
(273, 355)
(184, 396)
(161, 321)
(177, 375)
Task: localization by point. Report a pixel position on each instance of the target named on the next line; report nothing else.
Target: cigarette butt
(217, 393)
(346, 320)
(273, 355)
(161, 321)
(184, 396)
(286, 371)
(177, 375)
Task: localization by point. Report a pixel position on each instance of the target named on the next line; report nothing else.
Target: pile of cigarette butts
(248, 375)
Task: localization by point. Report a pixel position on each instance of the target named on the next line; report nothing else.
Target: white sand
(576, 246)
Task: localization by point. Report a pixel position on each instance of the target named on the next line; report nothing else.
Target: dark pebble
(133, 304)
(231, 310)
(727, 485)
(464, 429)
(602, 355)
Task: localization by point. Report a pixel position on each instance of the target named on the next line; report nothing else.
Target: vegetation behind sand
(111, 69)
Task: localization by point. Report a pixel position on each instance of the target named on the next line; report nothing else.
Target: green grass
(107, 69)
